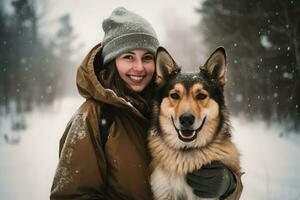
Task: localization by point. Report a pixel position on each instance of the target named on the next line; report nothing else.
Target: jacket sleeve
(238, 190)
(81, 171)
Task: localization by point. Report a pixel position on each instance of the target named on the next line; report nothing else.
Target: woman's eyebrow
(148, 54)
(133, 53)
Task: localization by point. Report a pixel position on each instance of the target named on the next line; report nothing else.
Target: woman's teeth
(136, 78)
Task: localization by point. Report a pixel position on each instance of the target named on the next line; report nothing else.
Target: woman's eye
(128, 57)
(201, 96)
(148, 57)
(175, 96)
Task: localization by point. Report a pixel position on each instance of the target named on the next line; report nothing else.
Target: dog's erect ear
(216, 65)
(165, 66)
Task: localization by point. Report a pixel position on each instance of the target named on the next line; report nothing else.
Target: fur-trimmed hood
(90, 87)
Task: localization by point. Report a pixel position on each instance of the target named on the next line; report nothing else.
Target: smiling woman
(115, 77)
(136, 68)
(103, 151)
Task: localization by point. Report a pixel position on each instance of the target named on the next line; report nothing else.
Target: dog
(190, 127)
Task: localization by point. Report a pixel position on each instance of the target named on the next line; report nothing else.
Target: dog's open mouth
(188, 135)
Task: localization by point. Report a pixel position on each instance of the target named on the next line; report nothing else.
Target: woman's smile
(136, 68)
(136, 78)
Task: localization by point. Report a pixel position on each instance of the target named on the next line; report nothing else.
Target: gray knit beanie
(125, 31)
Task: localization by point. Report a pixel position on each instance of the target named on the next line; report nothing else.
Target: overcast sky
(87, 15)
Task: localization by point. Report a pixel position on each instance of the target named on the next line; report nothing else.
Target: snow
(269, 159)
(270, 162)
(27, 168)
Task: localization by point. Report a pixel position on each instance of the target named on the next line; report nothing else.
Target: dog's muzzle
(186, 134)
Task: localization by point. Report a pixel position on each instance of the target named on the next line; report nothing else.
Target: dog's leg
(160, 184)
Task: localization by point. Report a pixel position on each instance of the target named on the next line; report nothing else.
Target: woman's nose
(138, 65)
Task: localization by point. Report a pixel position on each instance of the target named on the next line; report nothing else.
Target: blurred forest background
(33, 71)
(263, 43)
(262, 39)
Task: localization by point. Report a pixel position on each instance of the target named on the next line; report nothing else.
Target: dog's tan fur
(171, 162)
(181, 162)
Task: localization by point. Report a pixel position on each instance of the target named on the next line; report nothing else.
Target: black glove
(212, 181)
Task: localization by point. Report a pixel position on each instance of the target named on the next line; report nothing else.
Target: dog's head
(189, 104)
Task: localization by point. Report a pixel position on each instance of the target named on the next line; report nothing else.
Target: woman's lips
(136, 79)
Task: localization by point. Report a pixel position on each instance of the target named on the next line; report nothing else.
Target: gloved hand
(212, 181)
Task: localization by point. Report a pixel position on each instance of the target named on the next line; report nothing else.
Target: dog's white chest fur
(167, 186)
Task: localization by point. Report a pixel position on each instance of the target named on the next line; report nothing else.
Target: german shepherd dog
(191, 125)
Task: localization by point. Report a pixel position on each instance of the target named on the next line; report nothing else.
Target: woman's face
(136, 68)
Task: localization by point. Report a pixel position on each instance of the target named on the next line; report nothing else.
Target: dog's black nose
(187, 120)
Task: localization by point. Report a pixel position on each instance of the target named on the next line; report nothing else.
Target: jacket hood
(88, 84)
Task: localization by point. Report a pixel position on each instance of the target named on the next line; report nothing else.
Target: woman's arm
(81, 171)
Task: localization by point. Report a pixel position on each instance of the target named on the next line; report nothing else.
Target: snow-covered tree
(263, 43)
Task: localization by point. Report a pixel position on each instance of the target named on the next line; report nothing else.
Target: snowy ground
(271, 162)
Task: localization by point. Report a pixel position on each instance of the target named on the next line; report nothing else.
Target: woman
(117, 77)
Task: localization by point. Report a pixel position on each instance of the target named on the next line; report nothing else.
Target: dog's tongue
(187, 133)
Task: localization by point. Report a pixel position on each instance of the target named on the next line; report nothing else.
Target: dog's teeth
(187, 137)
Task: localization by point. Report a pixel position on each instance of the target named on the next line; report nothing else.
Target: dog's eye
(201, 96)
(175, 96)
